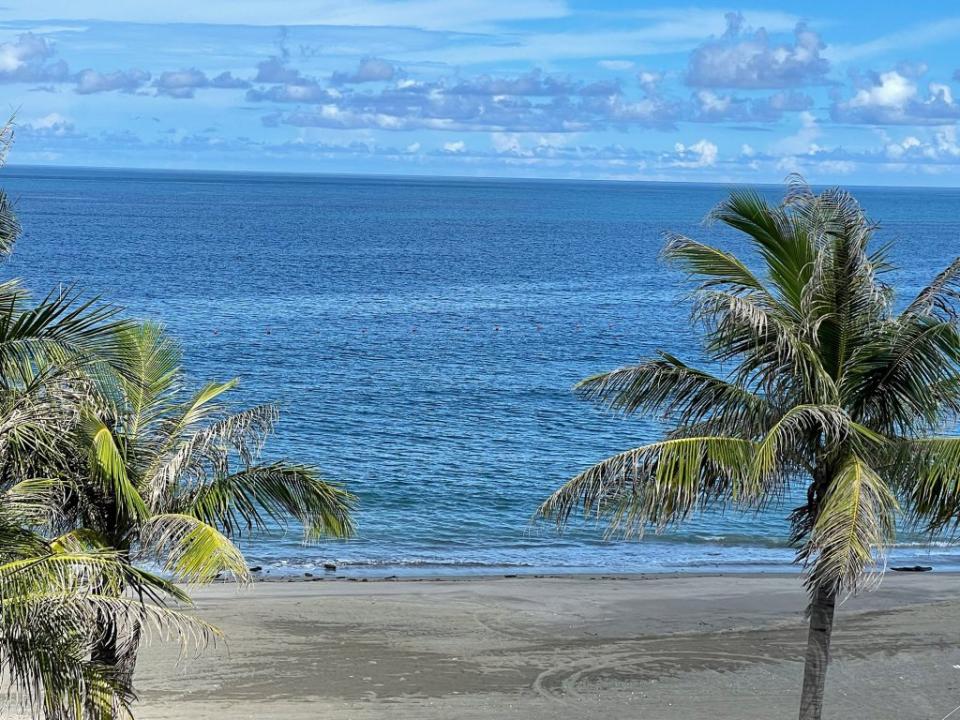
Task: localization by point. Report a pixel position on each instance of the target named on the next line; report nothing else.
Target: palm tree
(826, 391)
(49, 604)
(165, 477)
(51, 607)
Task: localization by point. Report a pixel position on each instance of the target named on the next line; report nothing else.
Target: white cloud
(702, 153)
(943, 146)
(505, 142)
(455, 147)
(892, 91)
(893, 98)
(743, 59)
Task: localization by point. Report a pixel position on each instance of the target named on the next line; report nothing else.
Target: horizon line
(476, 178)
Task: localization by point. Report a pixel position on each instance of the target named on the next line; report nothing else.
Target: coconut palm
(49, 604)
(167, 478)
(827, 393)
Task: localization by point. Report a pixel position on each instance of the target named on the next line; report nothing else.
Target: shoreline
(593, 647)
(338, 576)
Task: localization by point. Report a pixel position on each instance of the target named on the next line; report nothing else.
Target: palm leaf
(278, 491)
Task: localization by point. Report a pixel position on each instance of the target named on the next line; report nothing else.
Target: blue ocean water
(423, 335)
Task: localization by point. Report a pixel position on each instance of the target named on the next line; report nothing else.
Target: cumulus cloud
(90, 81)
(456, 147)
(276, 70)
(370, 69)
(52, 125)
(893, 98)
(226, 81)
(25, 60)
(180, 83)
(943, 146)
(649, 80)
(740, 59)
(702, 153)
(532, 102)
(183, 83)
(303, 92)
(709, 106)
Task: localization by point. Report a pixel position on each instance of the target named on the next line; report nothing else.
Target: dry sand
(662, 647)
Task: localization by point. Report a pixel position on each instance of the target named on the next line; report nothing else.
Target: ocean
(422, 337)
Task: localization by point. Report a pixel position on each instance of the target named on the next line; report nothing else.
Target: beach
(717, 647)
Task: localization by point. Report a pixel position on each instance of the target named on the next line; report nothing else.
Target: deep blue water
(423, 335)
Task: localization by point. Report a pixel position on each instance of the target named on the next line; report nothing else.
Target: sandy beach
(693, 647)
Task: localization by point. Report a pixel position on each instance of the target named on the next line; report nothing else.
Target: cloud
(893, 98)
(180, 83)
(531, 102)
(456, 147)
(742, 60)
(709, 106)
(702, 153)
(183, 83)
(90, 81)
(303, 92)
(53, 125)
(276, 70)
(801, 141)
(532, 83)
(942, 147)
(918, 36)
(370, 69)
(25, 61)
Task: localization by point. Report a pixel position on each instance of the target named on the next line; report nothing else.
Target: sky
(841, 92)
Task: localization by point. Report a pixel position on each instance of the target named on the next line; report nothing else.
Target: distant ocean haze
(423, 336)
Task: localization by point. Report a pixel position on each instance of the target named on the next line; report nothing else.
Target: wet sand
(660, 647)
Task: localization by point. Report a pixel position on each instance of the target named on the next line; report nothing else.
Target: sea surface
(422, 337)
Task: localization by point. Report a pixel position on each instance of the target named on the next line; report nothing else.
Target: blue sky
(852, 92)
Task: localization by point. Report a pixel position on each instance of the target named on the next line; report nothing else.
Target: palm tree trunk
(118, 656)
(822, 607)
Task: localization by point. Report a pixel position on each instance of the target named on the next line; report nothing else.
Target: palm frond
(679, 392)
(659, 484)
(711, 266)
(853, 528)
(109, 468)
(787, 252)
(278, 491)
(939, 299)
(191, 550)
(207, 452)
